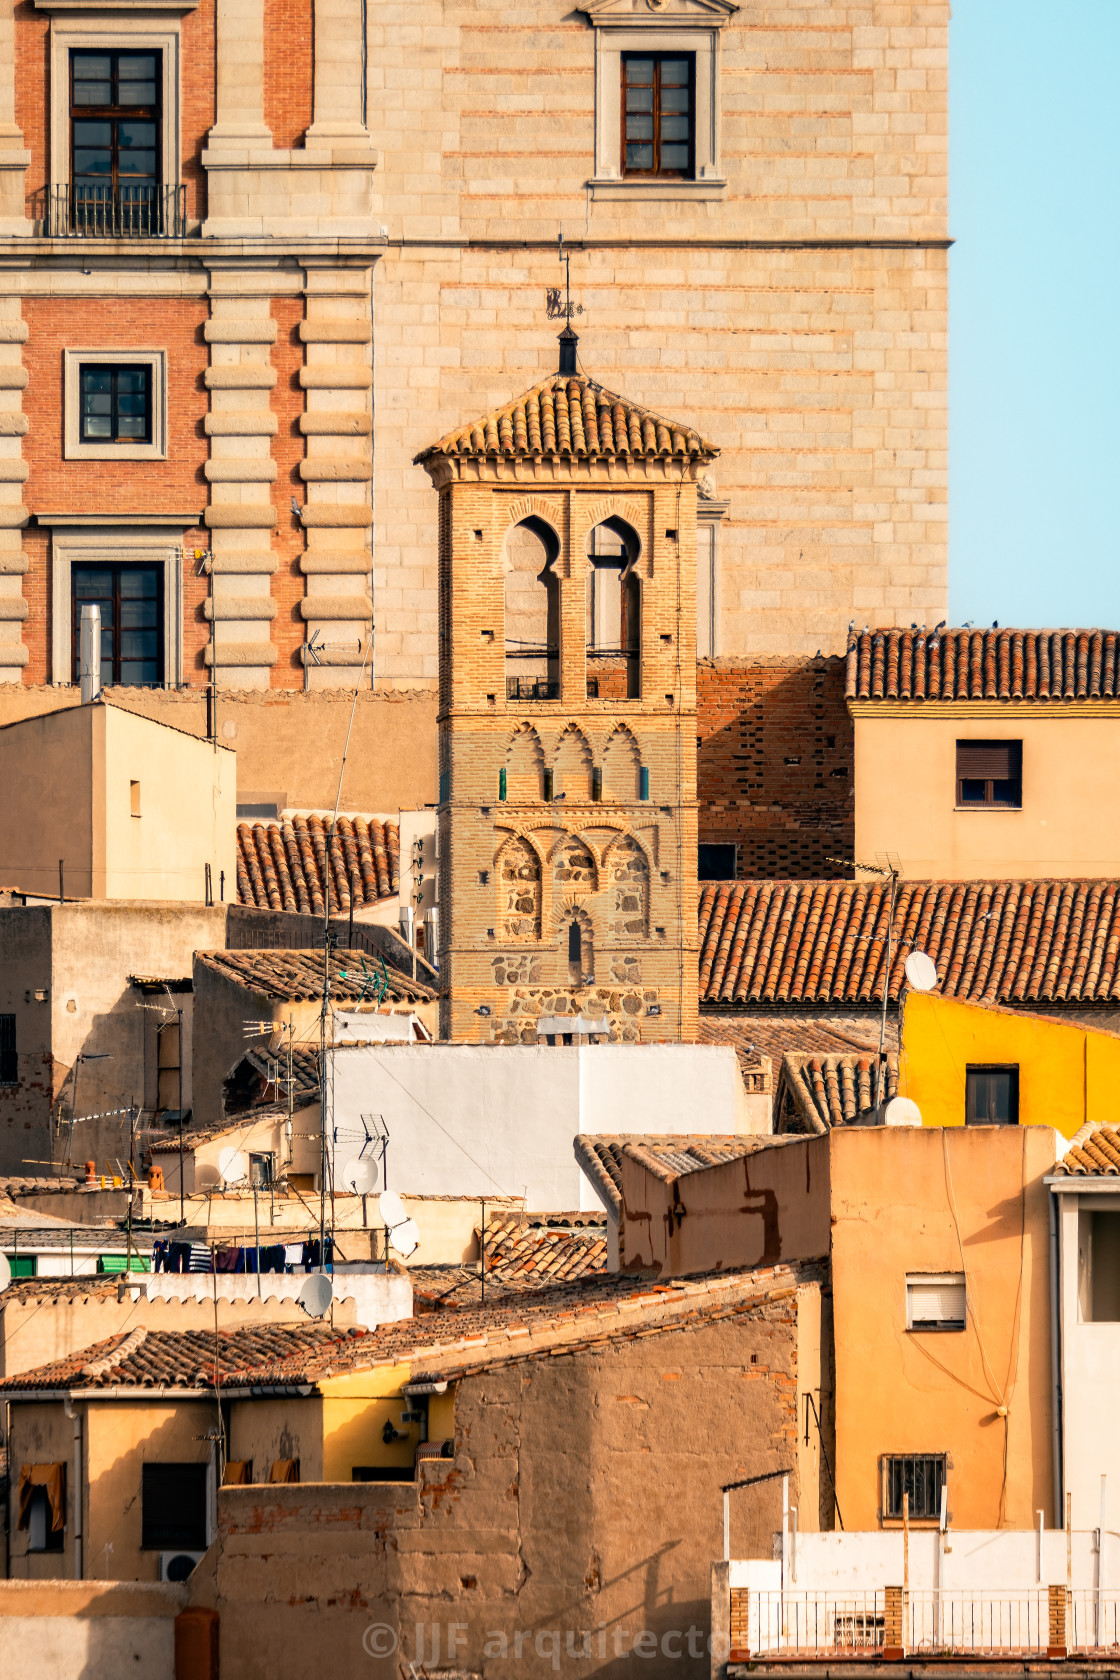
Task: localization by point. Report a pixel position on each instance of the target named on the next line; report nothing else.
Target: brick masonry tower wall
(776, 764)
(516, 872)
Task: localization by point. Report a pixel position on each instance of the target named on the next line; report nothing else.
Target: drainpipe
(75, 1417)
(1055, 1361)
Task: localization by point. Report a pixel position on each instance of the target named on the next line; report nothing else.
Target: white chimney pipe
(89, 654)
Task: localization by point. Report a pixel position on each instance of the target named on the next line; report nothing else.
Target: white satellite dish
(316, 1295)
(360, 1175)
(901, 1111)
(391, 1209)
(405, 1238)
(231, 1166)
(5, 1272)
(920, 972)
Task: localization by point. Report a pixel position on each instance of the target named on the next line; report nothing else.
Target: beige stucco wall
(767, 1207)
(119, 1438)
(923, 1200)
(905, 790)
(88, 1630)
(50, 760)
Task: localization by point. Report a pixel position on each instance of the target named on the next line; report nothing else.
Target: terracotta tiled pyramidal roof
(295, 976)
(1093, 1153)
(824, 942)
(1046, 665)
(816, 1093)
(569, 415)
(283, 865)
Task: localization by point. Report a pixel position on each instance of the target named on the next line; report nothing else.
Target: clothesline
(180, 1257)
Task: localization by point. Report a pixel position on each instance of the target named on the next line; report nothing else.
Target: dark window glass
(115, 128)
(990, 773)
(657, 114)
(382, 1473)
(992, 1096)
(260, 1171)
(116, 404)
(575, 943)
(41, 1536)
(922, 1476)
(716, 862)
(131, 602)
(173, 1507)
(9, 1069)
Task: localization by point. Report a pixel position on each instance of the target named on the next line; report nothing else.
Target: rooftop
(783, 943)
(1042, 665)
(284, 865)
(297, 976)
(446, 1344)
(523, 1252)
(668, 1155)
(570, 415)
(1093, 1153)
(818, 1092)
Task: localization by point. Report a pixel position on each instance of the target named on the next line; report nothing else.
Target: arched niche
(519, 890)
(576, 947)
(574, 874)
(614, 611)
(622, 767)
(627, 871)
(524, 765)
(532, 611)
(572, 765)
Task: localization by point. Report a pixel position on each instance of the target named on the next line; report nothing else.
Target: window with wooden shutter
(935, 1301)
(991, 1095)
(990, 773)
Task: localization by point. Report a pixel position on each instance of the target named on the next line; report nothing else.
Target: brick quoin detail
(288, 29)
(776, 764)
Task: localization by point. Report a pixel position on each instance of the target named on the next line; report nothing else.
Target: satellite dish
(316, 1295)
(405, 1238)
(391, 1209)
(360, 1175)
(5, 1272)
(901, 1111)
(920, 972)
(231, 1166)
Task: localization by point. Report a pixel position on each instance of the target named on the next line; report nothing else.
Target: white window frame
(113, 546)
(73, 449)
(115, 32)
(671, 26)
(936, 1280)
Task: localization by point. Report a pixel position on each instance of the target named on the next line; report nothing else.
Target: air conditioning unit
(176, 1566)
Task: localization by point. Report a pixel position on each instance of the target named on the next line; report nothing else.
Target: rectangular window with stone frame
(658, 115)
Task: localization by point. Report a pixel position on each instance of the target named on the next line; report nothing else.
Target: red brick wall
(109, 487)
(287, 69)
(776, 761)
(32, 82)
(199, 112)
(288, 450)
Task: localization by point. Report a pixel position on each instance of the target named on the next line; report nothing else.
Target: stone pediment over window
(675, 14)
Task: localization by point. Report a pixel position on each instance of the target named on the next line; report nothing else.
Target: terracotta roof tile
(523, 1252)
(1043, 665)
(1093, 1153)
(569, 415)
(293, 976)
(817, 1092)
(804, 943)
(283, 865)
(538, 1323)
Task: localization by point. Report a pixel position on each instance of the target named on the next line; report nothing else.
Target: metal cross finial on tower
(568, 339)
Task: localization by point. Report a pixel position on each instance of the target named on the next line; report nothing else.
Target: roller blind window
(935, 1301)
(990, 773)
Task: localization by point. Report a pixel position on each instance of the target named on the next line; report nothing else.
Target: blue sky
(1034, 386)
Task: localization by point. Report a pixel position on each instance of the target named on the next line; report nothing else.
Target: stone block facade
(776, 763)
(376, 218)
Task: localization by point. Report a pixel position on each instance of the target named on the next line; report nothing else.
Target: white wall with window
(1087, 1211)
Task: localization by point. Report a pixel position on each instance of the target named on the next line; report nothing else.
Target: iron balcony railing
(139, 212)
(531, 688)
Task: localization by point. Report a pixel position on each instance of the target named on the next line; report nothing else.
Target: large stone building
(254, 261)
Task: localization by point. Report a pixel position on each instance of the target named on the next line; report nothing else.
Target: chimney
(568, 342)
(89, 654)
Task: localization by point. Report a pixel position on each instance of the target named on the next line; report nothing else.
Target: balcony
(531, 688)
(139, 212)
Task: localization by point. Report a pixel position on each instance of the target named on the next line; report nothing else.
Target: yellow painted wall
(1067, 1073)
(265, 1430)
(118, 1440)
(905, 790)
(355, 1411)
(917, 1200)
